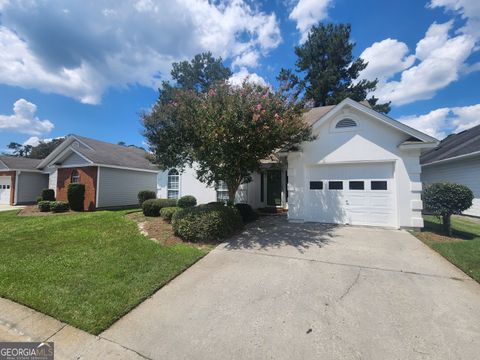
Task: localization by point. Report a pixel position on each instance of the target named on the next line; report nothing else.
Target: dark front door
(274, 188)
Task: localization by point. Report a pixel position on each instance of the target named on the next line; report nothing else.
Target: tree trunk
(232, 191)
(447, 226)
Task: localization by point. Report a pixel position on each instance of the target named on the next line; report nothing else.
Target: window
(262, 189)
(222, 192)
(173, 184)
(75, 177)
(356, 185)
(345, 123)
(335, 185)
(378, 185)
(316, 185)
(8, 187)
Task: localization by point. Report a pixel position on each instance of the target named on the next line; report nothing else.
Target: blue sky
(67, 68)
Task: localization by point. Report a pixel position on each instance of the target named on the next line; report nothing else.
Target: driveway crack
(351, 285)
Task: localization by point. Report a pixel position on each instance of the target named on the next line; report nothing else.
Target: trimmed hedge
(206, 223)
(44, 206)
(247, 213)
(39, 198)
(146, 195)
(59, 206)
(152, 207)
(187, 201)
(48, 195)
(76, 196)
(167, 212)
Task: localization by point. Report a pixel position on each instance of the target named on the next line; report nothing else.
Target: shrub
(446, 199)
(167, 212)
(247, 213)
(48, 195)
(59, 206)
(152, 207)
(76, 196)
(39, 198)
(187, 201)
(216, 203)
(205, 223)
(44, 206)
(146, 195)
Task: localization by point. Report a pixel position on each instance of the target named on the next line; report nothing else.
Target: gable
(73, 160)
(2, 165)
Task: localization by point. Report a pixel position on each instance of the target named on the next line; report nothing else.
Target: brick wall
(12, 184)
(88, 177)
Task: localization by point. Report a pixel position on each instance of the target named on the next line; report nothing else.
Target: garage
(355, 194)
(5, 190)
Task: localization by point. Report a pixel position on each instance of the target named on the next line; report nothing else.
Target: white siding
(463, 171)
(30, 186)
(118, 187)
(74, 159)
(52, 180)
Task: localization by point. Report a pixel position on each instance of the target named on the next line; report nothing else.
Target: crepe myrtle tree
(225, 130)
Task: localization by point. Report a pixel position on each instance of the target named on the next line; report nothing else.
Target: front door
(274, 188)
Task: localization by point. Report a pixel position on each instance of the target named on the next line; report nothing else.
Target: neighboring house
(456, 159)
(20, 180)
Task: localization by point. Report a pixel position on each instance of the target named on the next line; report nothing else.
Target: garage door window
(356, 185)
(316, 185)
(335, 185)
(379, 185)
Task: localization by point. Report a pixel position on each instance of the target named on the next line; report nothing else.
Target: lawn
(462, 249)
(85, 269)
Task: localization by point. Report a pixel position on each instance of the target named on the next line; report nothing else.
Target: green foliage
(44, 206)
(48, 195)
(43, 149)
(145, 195)
(187, 201)
(167, 212)
(152, 207)
(38, 199)
(446, 199)
(247, 213)
(206, 223)
(59, 206)
(76, 196)
(326, 71)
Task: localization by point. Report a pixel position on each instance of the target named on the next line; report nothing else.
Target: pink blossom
(259, 107)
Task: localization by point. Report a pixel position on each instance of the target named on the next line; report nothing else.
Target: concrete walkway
(9, 207)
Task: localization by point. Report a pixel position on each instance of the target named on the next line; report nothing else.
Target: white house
(456, 160)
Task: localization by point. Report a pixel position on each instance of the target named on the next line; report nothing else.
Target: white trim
(63, 153)
(15, 194)
(82, 156)
(351, 162)
(107, 166)
(452, 158)
(25, 170)
(422, 145)
(98, 187)
(1, 162)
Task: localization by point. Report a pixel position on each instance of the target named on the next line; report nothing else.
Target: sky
(90, 68)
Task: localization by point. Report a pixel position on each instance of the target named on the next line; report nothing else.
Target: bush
(76, 196)
(44, 206)
(48, 195)
(167, 212)
(39, 198)
(247, 213)
(446, 199)
(187, 201)
(152, 207)
(206, 223)
(216, 203)
(59, 206)
(146, 195)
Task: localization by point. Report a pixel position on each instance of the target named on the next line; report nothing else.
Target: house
(456, 159)
(362, 169)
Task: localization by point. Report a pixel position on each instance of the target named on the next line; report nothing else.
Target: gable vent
(345, 123)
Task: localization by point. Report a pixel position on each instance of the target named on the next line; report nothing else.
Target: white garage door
(5, 190)
(356, 194)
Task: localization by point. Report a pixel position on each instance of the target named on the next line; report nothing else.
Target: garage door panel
(5, 190)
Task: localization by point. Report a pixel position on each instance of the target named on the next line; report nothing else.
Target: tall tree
(44, 148)
(19, 149)
(326, 71)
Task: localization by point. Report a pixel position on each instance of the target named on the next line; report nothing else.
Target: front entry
(274, 188)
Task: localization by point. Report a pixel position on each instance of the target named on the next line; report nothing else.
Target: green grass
(462, 249)
(85, 269)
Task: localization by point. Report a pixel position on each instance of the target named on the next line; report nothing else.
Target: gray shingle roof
(311, 116)
(20, 163)
(116, 155)
(463, 143)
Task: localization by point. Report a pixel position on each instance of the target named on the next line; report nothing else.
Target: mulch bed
(32, 210)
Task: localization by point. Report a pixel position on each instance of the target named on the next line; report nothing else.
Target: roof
(104, 153)
(312, 115)
(461, 144)
(20, 163)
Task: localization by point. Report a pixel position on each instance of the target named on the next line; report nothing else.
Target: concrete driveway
(310, 291)
(9, 207)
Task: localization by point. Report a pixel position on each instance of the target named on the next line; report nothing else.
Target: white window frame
(76, 177)
(173, 184)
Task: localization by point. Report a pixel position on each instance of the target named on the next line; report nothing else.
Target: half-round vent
(345, 123)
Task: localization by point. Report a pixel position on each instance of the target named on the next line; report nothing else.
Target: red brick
(88, 177)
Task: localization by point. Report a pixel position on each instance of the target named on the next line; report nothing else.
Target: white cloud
(440, 122)
(24, 120)
(80, 51)
(469, 10)
(307, 13)
(32, 141)
(238, 78)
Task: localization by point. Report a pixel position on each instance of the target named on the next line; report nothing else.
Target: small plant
(167, 212)
(76, 196)
(38, 199)
(59, 206)
(48, 195)
(247, 213)
(187, 201)
(152, 207)
(146, 195)
(446, 199)
(44, 206)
